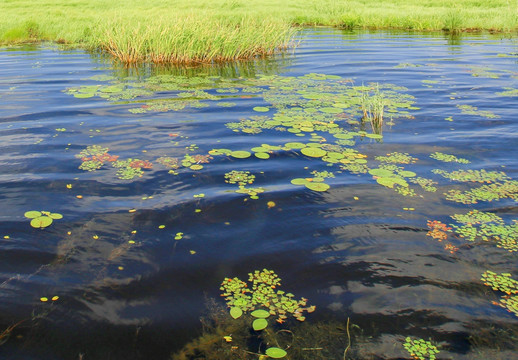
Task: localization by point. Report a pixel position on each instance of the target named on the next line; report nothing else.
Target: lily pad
(56, 216)
(262, 314)
(331, 110)
(276, 353)
(406, 173)
(196, 167)
(236, 312)
(240, 154)
(313, 152)
(259, 324)
(262, 155)
(317, 186)
(32, 214)
(299, 181)
(381, 172)
(261, 109)
(41, 222)
(295, 145)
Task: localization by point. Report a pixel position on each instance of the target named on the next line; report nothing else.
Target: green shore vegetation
(206, 31)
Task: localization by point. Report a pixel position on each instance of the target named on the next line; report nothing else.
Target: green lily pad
(41, 222)
(259, 324)
(220, 152)
(317, 186)
(196, 167)
(295, 145)
(276, 353)
(240, 154)
(299, 181)
(262, 155)
(236, 312)
(83, 95)
(374, 136)
(261, 109)
(262, 314)
(381, 172)
(313, 152)
(406, 173)
(343, 136)
(32, 214)
(386, 181)
(331, 110)
(260, 149)
(56, 216)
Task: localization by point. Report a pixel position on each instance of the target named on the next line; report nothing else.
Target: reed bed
(183, 31)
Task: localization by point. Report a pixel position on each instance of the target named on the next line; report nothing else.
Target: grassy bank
(221, 30)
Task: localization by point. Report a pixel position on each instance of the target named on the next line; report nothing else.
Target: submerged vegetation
(204, 31)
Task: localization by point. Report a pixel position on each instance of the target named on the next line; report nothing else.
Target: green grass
(222, 30)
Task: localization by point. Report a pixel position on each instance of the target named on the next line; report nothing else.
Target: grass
(183, 31)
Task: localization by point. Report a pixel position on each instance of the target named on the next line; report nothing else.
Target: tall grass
(220, 30)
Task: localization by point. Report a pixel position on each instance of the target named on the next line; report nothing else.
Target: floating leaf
(331, 110)
(196, 167)
(236, 312)
(381, 172)
(41, 222)
(313, 152)
(317, 186)
(263, 314)
(276, 353)
(240, 154)
(299, 181)
(406, 173)
(261, 109)
(32, 214)
(259, 324)
(295, 145)
(262, 155)
(56, 216)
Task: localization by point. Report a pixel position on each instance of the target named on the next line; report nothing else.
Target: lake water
(143, 164)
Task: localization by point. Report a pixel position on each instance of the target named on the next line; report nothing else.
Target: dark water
(128, 290)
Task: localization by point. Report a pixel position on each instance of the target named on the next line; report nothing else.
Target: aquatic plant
(131, 168)
(262, 294)
(488, 227)
(448, 158)
(242, 179)
(503, 282)
(42, 219)
(315, 184)
(506, 284)
(420, 349)
(94, 157)
(372, 104)
(495, 191)
(397, 158)
(425, 184)
(169, 162)
(473, 110)
(509, 92)
(481, 176)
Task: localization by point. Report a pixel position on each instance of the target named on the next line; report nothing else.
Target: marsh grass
(220, 30)
(373, 107)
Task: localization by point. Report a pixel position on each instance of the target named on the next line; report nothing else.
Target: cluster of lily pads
(263, 294)
(473, 110)
(506, 284)
(242, 179)
(42, 219)
(481, 225)
(420, 349)
(490, 192)
(94, 157)
(448, 158)
(481, 176)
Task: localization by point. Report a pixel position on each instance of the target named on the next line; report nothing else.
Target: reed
(220, 30)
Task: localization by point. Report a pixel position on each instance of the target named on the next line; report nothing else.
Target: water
(128, 290)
